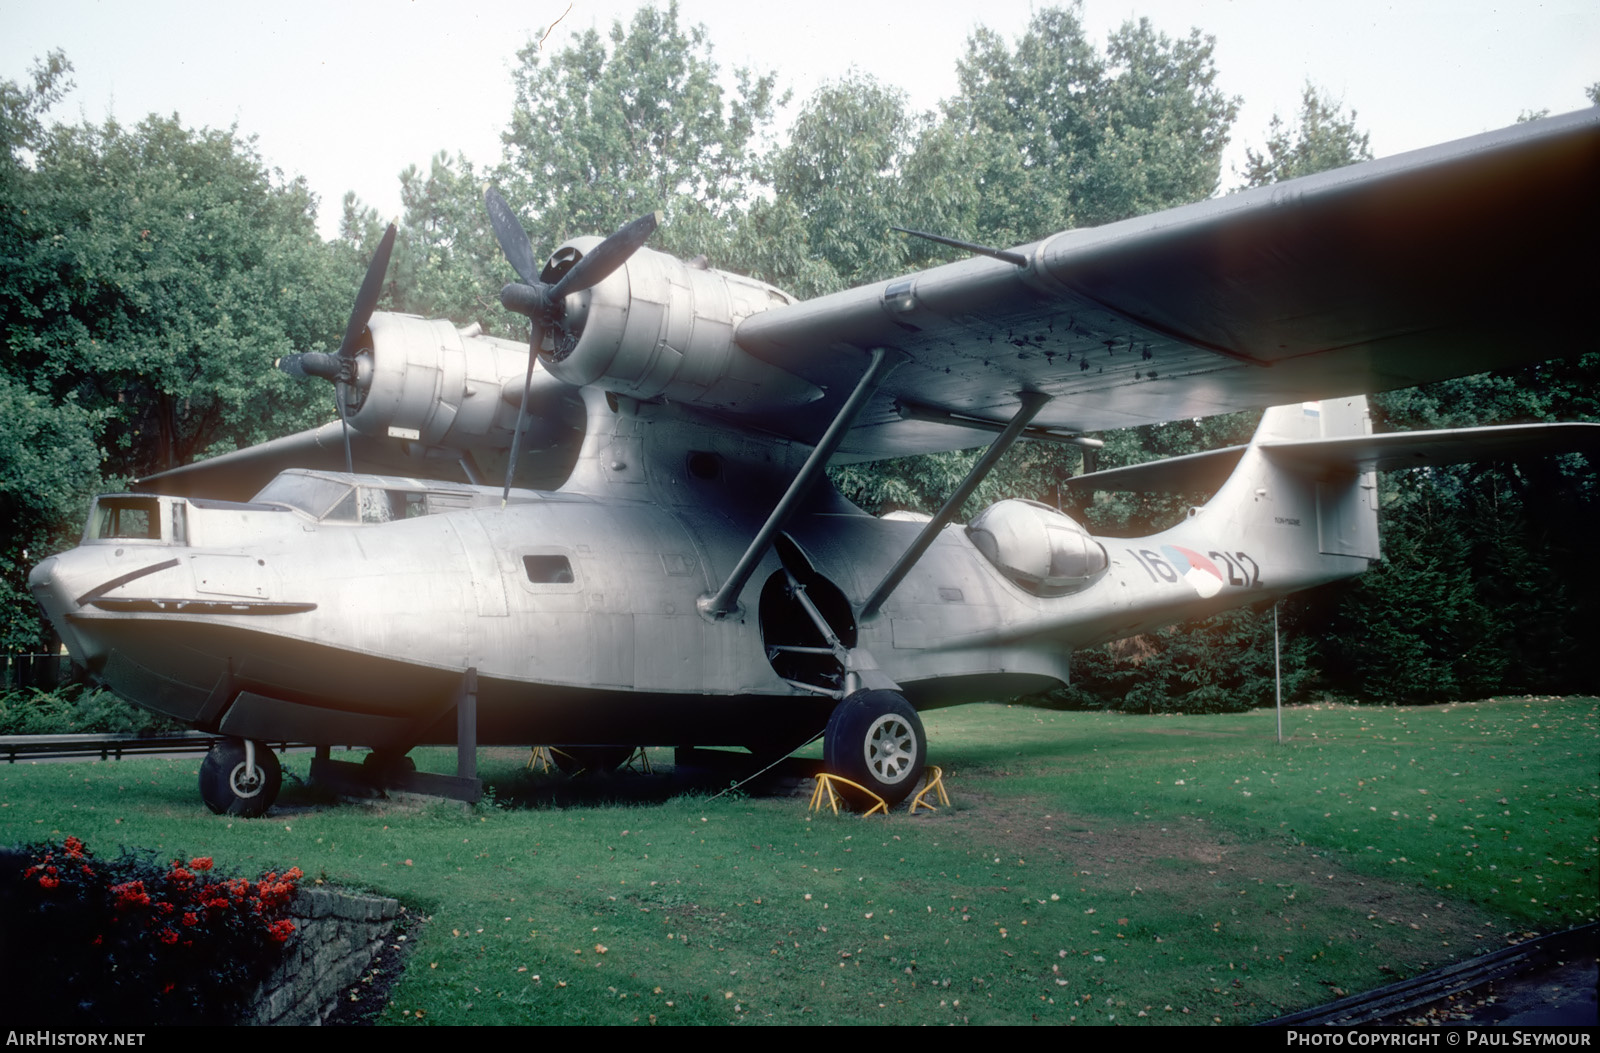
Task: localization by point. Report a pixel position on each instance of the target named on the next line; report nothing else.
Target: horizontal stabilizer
(1190, 473)
(1394, 450)
(1429, 449)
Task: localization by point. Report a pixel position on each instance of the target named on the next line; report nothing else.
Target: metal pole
(1032, 403)
(1277, 671)
(726, 599)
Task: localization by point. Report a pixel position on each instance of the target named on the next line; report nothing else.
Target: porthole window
(704, 465)
(548, 570)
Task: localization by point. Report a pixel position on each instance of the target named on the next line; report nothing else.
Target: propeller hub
(530, 300)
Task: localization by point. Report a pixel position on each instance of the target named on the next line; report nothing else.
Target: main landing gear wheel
(590, 760)
(875, 738)
(231, 786)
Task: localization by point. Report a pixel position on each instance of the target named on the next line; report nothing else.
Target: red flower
(48, 882)
(74, 847)
(130, 894)
(168, 937)
(201, 863)
(191, 918)
(279, 931)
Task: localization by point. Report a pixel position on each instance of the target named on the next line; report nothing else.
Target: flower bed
(134, 940)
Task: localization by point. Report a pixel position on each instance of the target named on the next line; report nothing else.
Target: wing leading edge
(1441, 262)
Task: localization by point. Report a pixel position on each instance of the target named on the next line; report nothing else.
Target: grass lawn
(1094, 868)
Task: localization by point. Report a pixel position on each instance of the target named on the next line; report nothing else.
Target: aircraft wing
(1447, 261)
(239, 475)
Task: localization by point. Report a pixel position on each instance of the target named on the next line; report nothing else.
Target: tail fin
(1311, 467)
(1342, 499)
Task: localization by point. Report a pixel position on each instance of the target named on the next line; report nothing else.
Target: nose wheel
(875, 738)
(240, 778)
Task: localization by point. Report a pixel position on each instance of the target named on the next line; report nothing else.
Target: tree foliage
(1324, 138)
(1064, 135)
(149, 278)
(607, 130)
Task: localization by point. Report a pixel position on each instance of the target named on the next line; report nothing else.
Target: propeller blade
(514, 243)
(344, 421)
(309, 364)
(522, 413)
(367, 298)
(597, 265)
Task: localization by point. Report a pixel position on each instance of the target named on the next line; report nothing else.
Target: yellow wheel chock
(934, 785)
(827, 793)
(825, 784)
(543, 759)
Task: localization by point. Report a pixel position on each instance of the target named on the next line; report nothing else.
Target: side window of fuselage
(548, 570)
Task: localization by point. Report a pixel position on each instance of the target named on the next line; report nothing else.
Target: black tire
(590, 760)
(875, 738)
(228, 789)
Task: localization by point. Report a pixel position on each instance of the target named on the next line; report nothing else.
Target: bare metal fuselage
(577, 609)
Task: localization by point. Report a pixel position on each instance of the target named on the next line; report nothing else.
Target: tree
(149, 277)
(605, 131)
(1325, 138)
(1065, 137)
(858, 163)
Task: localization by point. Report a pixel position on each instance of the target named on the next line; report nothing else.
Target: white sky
(347, 94)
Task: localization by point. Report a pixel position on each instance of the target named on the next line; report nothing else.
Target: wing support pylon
(725, 601)
(1032, 403)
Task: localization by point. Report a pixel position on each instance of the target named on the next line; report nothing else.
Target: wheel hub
(245, 782)
(890, 748)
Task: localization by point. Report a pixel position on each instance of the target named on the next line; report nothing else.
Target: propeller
(341, 367)
(543, 302)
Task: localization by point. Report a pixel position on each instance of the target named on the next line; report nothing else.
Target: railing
(105, 747)
(33, 670)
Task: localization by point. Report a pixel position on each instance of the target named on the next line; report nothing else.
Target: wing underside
(1443, 262)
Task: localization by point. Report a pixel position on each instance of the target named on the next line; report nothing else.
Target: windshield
(312, 495)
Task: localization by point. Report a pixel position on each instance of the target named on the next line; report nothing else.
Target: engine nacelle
(426, 381)
(660, 327)
(1042, 550)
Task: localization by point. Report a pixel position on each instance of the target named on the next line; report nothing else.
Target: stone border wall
(337, 934)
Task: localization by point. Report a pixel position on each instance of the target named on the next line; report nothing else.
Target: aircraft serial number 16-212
(683, 573)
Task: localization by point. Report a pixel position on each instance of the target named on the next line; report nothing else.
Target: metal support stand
(467, 727)
(726, 599)
(396, 773)
(1032, 403)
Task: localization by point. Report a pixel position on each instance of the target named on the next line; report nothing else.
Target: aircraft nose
(55, 597)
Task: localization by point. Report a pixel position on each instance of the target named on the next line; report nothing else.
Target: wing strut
(726, 599)
(1032, 403)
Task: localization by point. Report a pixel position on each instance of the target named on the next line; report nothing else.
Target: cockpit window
(312, 495)
(382, 506)
(126, 517)
(365, 502)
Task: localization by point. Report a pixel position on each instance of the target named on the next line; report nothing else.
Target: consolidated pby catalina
(689, 576)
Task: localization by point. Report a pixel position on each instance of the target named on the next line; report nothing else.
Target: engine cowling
(658, 327)
(426, 381)
(1042, 550)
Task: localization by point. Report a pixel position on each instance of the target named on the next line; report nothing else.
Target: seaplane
(681, 572)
